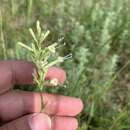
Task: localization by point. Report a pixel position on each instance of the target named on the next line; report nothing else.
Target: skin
(17, 108)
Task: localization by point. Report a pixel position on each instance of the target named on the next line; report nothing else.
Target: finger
(29, 122)
(56, 73)
(40, 121)
(64, 123)
(21, 72)
(21, 103)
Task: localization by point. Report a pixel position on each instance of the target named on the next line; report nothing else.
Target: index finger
(21, 103)
(20, 72)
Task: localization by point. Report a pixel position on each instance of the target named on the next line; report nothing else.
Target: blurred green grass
(97, 32)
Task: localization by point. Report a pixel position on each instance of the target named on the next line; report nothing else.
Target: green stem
(117, 119)
(2, 36)
(90, 116)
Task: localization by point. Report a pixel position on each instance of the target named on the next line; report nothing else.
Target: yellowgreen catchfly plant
(42, 57)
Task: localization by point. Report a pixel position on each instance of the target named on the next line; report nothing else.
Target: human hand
(20, 110)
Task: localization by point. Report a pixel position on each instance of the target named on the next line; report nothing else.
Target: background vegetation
(97, 32)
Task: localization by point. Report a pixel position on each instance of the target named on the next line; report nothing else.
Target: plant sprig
(41, 56)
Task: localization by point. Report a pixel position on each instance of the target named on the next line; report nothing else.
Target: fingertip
(66, 123)
(76, 106)
(70, 106)
(56, 73)
(74, 123)
(80, 105)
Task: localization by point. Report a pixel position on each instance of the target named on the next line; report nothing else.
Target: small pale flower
(54, 82)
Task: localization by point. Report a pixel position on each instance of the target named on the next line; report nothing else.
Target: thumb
(37, 121)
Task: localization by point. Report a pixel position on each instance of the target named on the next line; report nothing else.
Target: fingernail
(39, 121)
